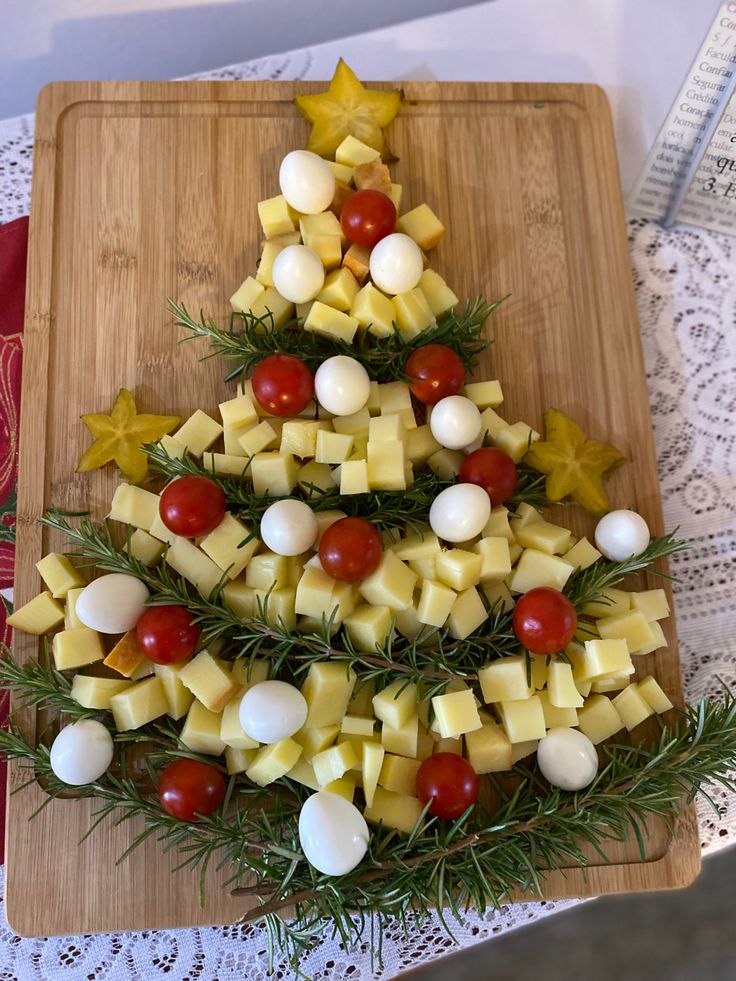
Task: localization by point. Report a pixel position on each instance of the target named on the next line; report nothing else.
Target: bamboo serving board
(144, 191)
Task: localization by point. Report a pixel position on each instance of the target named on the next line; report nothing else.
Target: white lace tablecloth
(687, 306)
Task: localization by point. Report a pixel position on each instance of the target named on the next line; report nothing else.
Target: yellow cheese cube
(489, 749)
(342, 172)
(386, 428)
(356, 725)
(495, 558)
(456, 713)
(274, 474)
(315, 478)
(491, 424)
(352, 152)
(178, 698)
(605, 657)
(327, 247)
(197, 568)
(303, 773)
(226, 464)
(582, 555)
(333, 447)
(515, 440)
(246, 294)
(368, 627)
(610, 603)
(446, 463)
(467, 614)
(561, 686)
(201, 730)
(386, 465)
(238, 760)
(612, 682)
(374, 311)
(265, 263)
(459, 569)
(143, 547)
(659, 640)
(239, 597)
(520, 751)
(172, 447)
(425, 568)
(38, 616)
(397, 811)
(418, 545)
(392, 584)
(209, 680)
(273, 762)
(237, 412)
(344, 787)
(71, 619)
(287, 238)
(652, 693)
(372, 761)
(399, 774)
(316, 739)
(259, 438)
(331, 323)
(632, 707)
(393, 397)
(95, 693)
(484, 394)
(315, 594)
(339, 290)
(631, 627)
(396, 704)
(198, 433)
(412, 313)
(403, 740)
(231, 731)
(139, 704)
(268, 570)
(652, 603)
(438, 294)
(435, 602)
(522, 720)
(539, 672)
(539, 569)
(323, 223)
(276, 607)
(272, 308)
(421, 445)
(274, 216)
(134, 505)
(361, 702)
(423, 226)
(77, 647)
(544, 536)
(498, 525)
(354, 477)
(327, 689)
(332, 763)
(249, 671)
(555, 717)
(505, 680)
(598, 719)
(228, 546)
(353, 425)
(299, 437)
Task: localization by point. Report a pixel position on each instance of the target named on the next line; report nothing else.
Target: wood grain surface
(143, 191)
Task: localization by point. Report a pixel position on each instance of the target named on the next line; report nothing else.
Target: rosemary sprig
(37, 682)
(248, 339)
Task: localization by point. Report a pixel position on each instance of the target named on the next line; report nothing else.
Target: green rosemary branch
(37, 682)
(249, 339)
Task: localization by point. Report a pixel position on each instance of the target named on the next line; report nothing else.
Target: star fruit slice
(347, 108)
(574, 465)
(121, 435)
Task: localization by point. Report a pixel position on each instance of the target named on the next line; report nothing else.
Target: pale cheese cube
(268, 571)
(239, 411)
(265, 263)
(393, 397)
(315, 594)
(274, 474)
(446, 463)
(386, 428)
(372, 761)
(272, 308)
(484, 394)
(316, 740)
(361, 702)
(342, 172)
(425, 568)
(198, 433)
(374, 311)
(353, 425)
(391, 584)
(333, 447)
(412, 313)
(226, 464)
(420, 445)
(172, 447)
(248, 671)
(520, 751)
(539, 672)
(459, 569)
(134, 505)
(231, 445)
(632, 707)
(228, 546)
(536, 568)
(467, 614)
(561, 686)
(315, 479)
(327, 689)
(423, 226)
(178, 698)
(354, 477)
(238, 760)
(438, 294)
(398, 811)
(344, 787)
(273, 762)
(277, 607)
(582, 554)
(201, 730)
(608, 604)
(339, 290)
(352, 152)
(522, 720)
(325, 520)
(489, 749)
(505, 680)
(95, 693)
(515, 440)
(555, 717)
(631, 627)
(399, 774)
(612, 682)
(356, 725)
(598, 719)
(139, 704)
(491, 424)
(419, 545)
(659, 640)
(259, 438)
(456, 713)
(71, 619)
(303, 773)
(231, 731)
(322, 223)
(652, 693)
(190, 562)
(299, 437)
(544, 536)
(332, 763)
(652, 603)
(331, 323)
(327, 247)
(386, 462)
(239, 597)
(246, 294)
(209, 680)
(368, 627)
(143, 547)
(605, 657)
(435, 602)
(273, 213)
(495, 558)
(59, 574)
(403, 739)
(396, 704)
(76, 648)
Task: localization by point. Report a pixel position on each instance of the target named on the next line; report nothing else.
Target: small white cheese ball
(333, 833)
(460, 512)
(455, 422)
(272, 710)
(621, 534)
(289, 527)
(298, 273)
(342, 385)
(112, 604)
(307, 182)
(567, 758)
(396, 264)
(81, 752)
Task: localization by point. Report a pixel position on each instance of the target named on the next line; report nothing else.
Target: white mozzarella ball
(112, 604)
(272, 710)
(298, 273)
(455, 422)
(396, 264)
(567, 758)
(81, 752)
(460, 512)
(333, 833)
(621, 534)
(289, 527)
(307, 182)
(342, 385)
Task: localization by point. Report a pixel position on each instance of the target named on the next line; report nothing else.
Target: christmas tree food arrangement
(333, 643)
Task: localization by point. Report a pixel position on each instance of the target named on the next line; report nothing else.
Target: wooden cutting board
(143, 191)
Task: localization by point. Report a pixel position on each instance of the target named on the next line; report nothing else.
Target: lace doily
(687, 307)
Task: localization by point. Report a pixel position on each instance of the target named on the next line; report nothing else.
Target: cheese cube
(248, 671)
(277, 607)
(246, 294)
(386, 465)
(420, 445)
(355, 725)
(325, 519)
(196, 567)
(467, 614)
(38, 616)
(333, 447)
(412, 313)
(632, 707)
(273, 762)
(352, 152)
(357, 260)
(228, 546)
(491, 424)
(274, 216)
(598, 719)
(631, 627)
(515, 440)
(459, 569)
(139, 704)
(522, 720)
(612, 682)
(451, 745)
(425, 568)
(489, 749)
(178, 698)
(239, 597)
(435, 602)
(315, 478)
(201, 730)
(322, 223)
(398, 811)
(368, 627)
(606, 657)
(299, 437)
(354, 477)
(327, 689)
(456, 713)
(446, 463)
(332, 763)
(331, 323)
(342, 172)
(238, 760)
(520, 751)
(544, 536)
(582, 555)
(652, 603)
(536, 568)
(237, 412)
(226, 464)
(373, 310)
(315, 594)
(399, 774)
(272, 308)
(259, 438)
(316, 739)
(274, 474)
(268, 570)
(539, 672)
(209, 680)
(361, 702)
(386, 428)
(505, 680)
(555, 717)
(423, 226)
(143, 547)
(653, 695)
(396, 704)
(352, 425)
(485, 394)
(561, 686)
(286, 238)
(134, 505)
(265, 263)
(71, 619)
(404, 739)
(231, 731)
(339, 290)
(327, 247)
(95, 693)
(393, 397)
(371, 763)
(438, 294)
(198, 433)
(419, 545)
(126, 657)
(77, 647)
(391, 584)
(344, 787)
(495, 558)
(610, 603)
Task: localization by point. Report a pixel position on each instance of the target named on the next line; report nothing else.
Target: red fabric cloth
(13, 250)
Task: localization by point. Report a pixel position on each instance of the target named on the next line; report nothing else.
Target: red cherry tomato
(450, 782)
(350, 549)
(368, 216)
(192, 506)
(283, 385)
(188, 788)
(434, 372)
(492, 470)
(167, 634)
(544, 620)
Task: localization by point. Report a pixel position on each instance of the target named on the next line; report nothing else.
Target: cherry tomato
(350, 549)
(283, 385)
(450, 782)
(492, 470)
(435, 372)
(544, 620)
(188, 788)
(167, 634)
(368, 216)
(192, 506)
